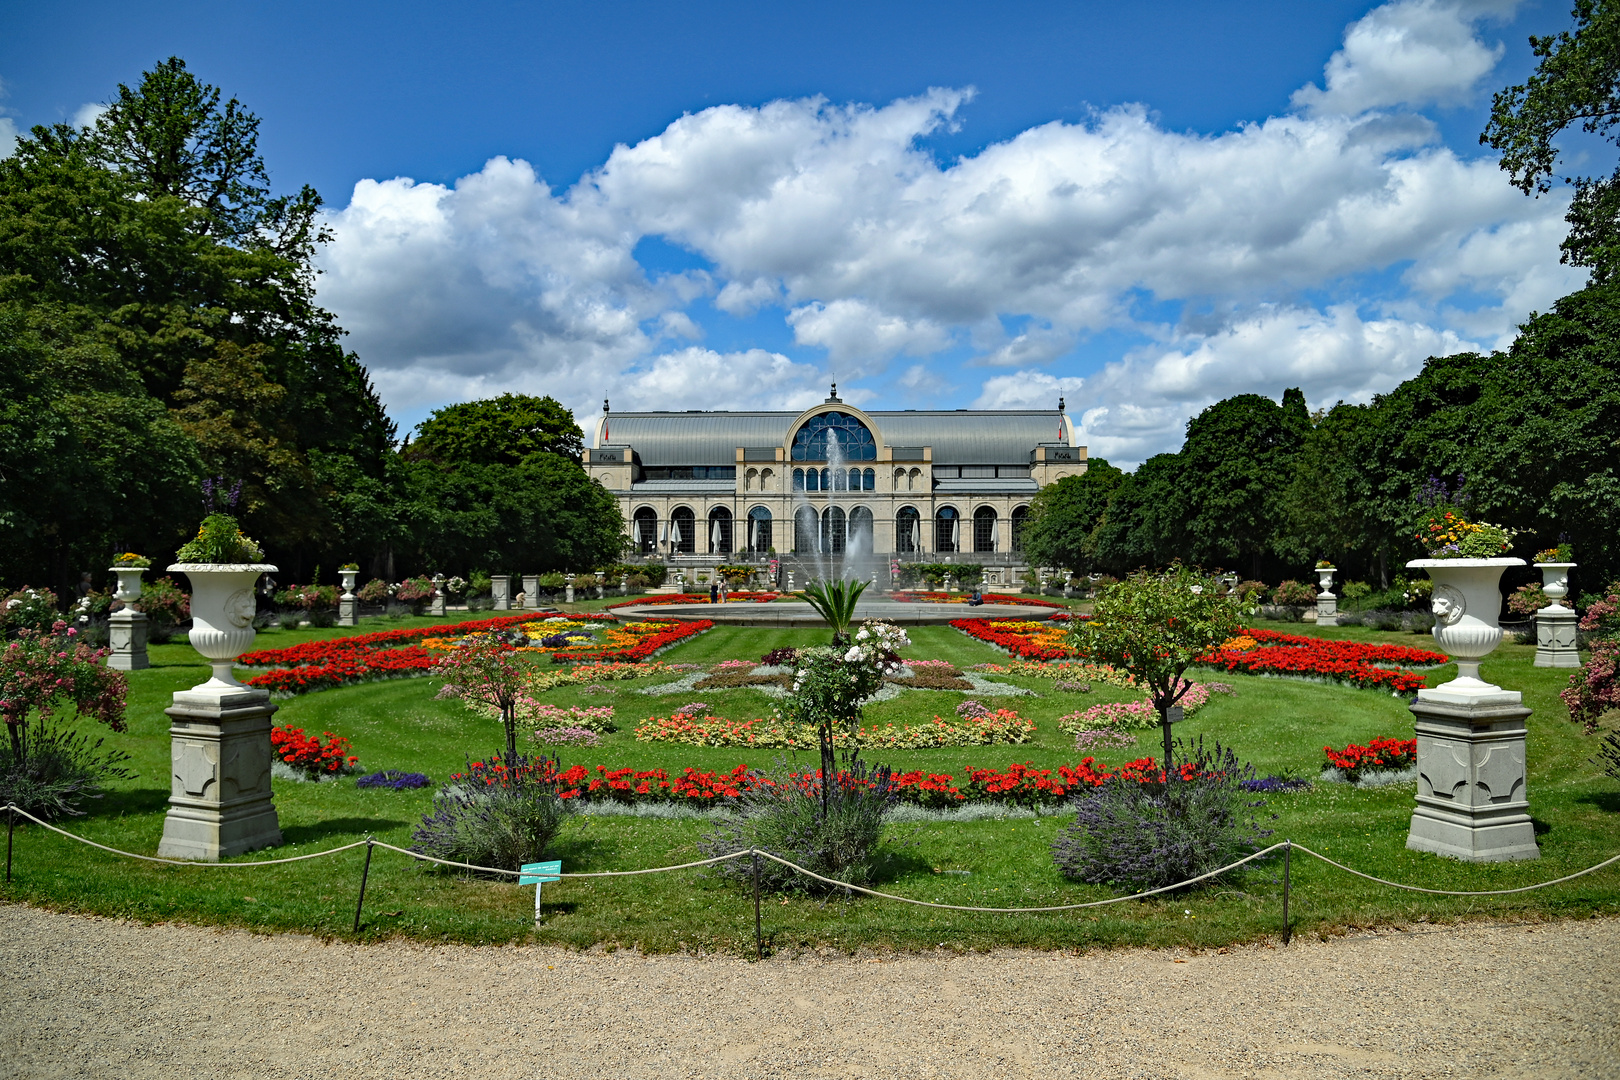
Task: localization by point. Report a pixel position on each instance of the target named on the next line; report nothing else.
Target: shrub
(374, 591)
(310, 755)
(290, 620)
(164, 603)
(552, 581)
(784, 657)
(1354, 590)
(1293, 594)
(583, 583)
(637, 582)
(479, 584)
(61, 770)
(415, 591)
(1134, 835)
(494, 814)
(308, 597)
(1528, 599)
(32, 609)
(323, 618)
(832, 829)
(393, 779)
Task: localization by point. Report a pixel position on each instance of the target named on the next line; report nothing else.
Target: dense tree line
(159, 330)
(1265, 489)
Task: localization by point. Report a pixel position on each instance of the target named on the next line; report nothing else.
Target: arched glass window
(812, 479)
(798, 479)
(683, 531)
(947, 529)
(860, 531)
(826, 480)
(986, 529)
(840, 480)
(834, 431)
(1020, 518)
(759, 530)
(646, 530)
(719, 531)
(908, 531)
(832, 531)
(869, 480)
(806, 531)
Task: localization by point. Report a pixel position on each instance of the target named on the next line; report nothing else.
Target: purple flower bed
(394, 780)
(1271, 784)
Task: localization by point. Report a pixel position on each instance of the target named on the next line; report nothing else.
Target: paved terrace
(798, 613)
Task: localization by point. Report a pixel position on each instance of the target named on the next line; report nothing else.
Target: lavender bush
(495, 814)
(393, 779)
(1134, 836)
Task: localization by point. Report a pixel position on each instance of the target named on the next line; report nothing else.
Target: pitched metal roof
(959, 437)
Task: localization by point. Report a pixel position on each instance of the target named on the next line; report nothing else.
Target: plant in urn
(1472, 801)
(1327, 605)
(1556, 644)
(348, 603)
(219, 799)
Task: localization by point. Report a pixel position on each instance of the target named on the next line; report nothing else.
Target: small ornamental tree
(488, 675)
(1155, 625)
(830, 684)
(835, 601)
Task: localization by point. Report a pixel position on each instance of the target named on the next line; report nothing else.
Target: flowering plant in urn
(223, 563)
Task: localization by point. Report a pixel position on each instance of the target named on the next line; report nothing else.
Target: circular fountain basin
(791, 613)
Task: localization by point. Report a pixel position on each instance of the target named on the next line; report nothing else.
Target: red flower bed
(922, 596)
(1340, 661)
(1377, 754)
(1020, 784)
(645, 647)
(291, 745)
(737, 597)
(319, 665)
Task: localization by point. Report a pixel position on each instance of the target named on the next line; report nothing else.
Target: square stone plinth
(219, 791)
(1555, 638)
(1472, 802)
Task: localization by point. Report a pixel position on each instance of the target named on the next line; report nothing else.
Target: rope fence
(1287, 847)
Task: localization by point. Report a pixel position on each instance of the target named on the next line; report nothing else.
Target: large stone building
(833, 480)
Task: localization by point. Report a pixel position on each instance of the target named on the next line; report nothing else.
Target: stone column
(500, 591)
(531, 590)
(1555, 624)
(1472, 802)
(126, 627)
(219, 786)
(436, 607)
(1327, 605)
(348, 604)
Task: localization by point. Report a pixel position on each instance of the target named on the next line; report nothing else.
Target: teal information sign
(536, 873)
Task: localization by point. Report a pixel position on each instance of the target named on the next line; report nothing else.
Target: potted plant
(129, 567)
(1324, 573)
(1466, 560)
(222, 563)
(1555, 563)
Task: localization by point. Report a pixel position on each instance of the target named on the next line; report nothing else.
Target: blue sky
(1144, 207)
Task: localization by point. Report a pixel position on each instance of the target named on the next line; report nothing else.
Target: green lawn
(1280, 725)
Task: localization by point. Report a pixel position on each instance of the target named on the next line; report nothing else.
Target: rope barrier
(755, 854)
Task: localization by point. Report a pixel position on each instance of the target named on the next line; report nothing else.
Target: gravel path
(87, 997)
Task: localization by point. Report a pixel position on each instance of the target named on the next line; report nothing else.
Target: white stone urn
(1324, 578)
(348, 577)
(1467, 604)
(1555, 582)
(129, 583)
(222, 610)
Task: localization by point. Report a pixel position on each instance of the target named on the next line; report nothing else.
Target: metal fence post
(364, 873)
(1288, 850)
(759, 939)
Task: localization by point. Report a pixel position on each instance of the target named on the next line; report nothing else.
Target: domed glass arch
(827, 430)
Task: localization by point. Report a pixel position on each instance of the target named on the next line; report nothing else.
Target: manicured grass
(1278, 724)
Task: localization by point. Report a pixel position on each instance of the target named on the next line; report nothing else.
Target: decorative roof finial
(1060, 403)
(605, 405)
(832, 395)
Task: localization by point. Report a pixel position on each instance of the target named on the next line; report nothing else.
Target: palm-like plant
(835, 602)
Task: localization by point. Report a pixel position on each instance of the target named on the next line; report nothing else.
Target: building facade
(833, 480)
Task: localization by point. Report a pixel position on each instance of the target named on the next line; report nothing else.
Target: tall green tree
(1064, 517)
(498, 431)
(1575, 84)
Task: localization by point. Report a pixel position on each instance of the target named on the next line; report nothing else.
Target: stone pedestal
(568, 593)
(348, 605)
(436, 605)
(1555, 638)
(500, 591)
(1472, 802)
(531, 590)
(219, 791)
(1327, 604)
(126, 634)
